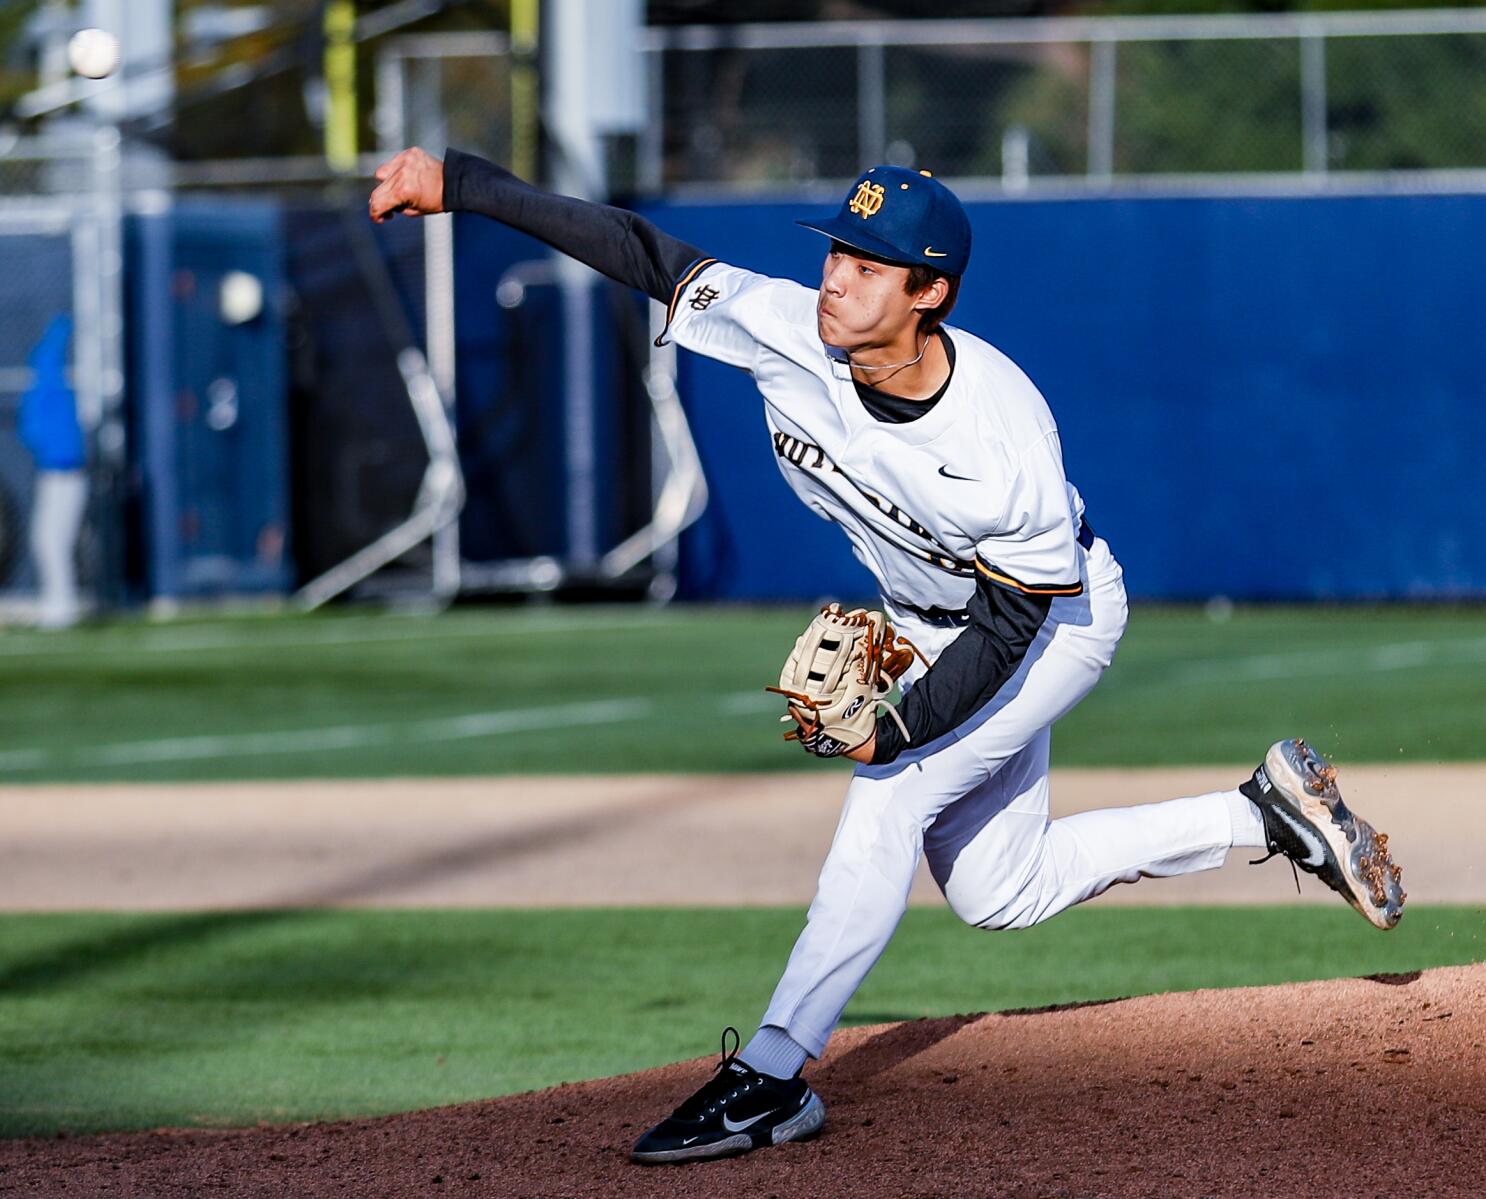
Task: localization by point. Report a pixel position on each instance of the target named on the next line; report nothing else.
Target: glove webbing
(890, 656)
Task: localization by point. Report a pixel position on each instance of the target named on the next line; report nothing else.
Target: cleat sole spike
(1306, 819)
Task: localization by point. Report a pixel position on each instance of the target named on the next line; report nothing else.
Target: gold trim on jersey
(682, 284)
(1005, 580)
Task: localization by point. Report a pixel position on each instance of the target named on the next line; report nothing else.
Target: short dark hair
(919, 277)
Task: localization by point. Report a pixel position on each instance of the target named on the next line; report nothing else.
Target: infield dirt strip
(624, 839)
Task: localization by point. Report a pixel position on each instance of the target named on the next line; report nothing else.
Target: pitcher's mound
(1360, 1087)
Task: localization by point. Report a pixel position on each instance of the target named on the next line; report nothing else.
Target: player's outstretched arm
(615, 242)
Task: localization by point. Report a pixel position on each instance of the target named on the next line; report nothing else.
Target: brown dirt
(1355, 1088)
(636, 839)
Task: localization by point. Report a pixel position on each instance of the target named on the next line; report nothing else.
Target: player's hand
(411, 182)
(862, 753)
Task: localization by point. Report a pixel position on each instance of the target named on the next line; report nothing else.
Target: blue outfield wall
(1261, 398)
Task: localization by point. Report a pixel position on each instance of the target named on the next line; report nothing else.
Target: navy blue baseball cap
(904, 216)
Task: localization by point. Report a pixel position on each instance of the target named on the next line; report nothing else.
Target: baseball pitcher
(1001, 607)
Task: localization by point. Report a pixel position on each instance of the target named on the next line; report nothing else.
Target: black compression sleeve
(626, 247)
(972, 668)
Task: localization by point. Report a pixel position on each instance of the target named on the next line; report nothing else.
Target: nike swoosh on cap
(933, 253)
(740, 1125)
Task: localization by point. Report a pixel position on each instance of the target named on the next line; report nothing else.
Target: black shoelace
(728, 1058)
(721, 1080)
(1273, 851)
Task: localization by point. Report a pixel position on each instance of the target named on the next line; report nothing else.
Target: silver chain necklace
(891, 366)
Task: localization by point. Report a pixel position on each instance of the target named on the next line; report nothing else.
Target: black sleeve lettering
(625, 247)
(972, 668)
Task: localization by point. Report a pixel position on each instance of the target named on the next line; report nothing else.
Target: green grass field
(138, 1021)
(127, 1021)
(622, 689)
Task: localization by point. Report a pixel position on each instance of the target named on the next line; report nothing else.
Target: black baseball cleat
(1306, 820)
(738, 1110)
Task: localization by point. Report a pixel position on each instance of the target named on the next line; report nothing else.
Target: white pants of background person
(976, 804)
(58, 503)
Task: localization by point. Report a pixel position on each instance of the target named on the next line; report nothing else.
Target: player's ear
(933, 295)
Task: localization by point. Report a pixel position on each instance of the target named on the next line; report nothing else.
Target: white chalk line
(1317, 664)
(349, 736)
(747, 702)
(166, 641)
(360, 736)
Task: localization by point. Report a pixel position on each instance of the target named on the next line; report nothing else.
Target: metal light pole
(340, 86)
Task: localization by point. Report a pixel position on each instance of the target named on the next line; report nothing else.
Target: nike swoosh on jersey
(811, 459)
(740, 1125)
(945, 471)
(1318, 851)
(930, 252)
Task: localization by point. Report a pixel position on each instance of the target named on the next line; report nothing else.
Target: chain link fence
(442, 90)
(1073, 103)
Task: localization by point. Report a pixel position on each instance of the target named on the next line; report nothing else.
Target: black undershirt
(899, 410)
(1000, 622)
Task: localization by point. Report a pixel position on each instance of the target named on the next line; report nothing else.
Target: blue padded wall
(1280, 398)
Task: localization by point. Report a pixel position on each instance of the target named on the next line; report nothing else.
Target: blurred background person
(49, 429)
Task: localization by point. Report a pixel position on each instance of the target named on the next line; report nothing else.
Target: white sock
(774, 1052)
(1247, 824)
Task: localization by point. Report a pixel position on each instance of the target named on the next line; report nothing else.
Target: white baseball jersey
(975, 485)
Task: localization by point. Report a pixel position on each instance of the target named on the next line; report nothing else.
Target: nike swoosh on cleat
(1318, 852)
(687, 1141)
(740, 1125)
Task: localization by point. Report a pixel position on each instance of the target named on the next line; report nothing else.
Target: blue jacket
(48, 420)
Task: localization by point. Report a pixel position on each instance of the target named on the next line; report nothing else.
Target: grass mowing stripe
(1407, 655)
(199, 641)
(1179, 692)
(133, 1021)
(290, 741)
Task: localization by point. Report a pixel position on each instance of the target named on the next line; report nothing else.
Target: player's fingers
(394, 189)
(385, 201)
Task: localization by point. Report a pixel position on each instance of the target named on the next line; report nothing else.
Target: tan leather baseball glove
(841, 668)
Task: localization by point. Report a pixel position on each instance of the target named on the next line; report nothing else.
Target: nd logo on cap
(868, 199)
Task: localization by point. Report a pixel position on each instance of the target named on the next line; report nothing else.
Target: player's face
(863, 302)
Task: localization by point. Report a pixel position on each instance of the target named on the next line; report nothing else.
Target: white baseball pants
(976, 803)
(58, 505)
